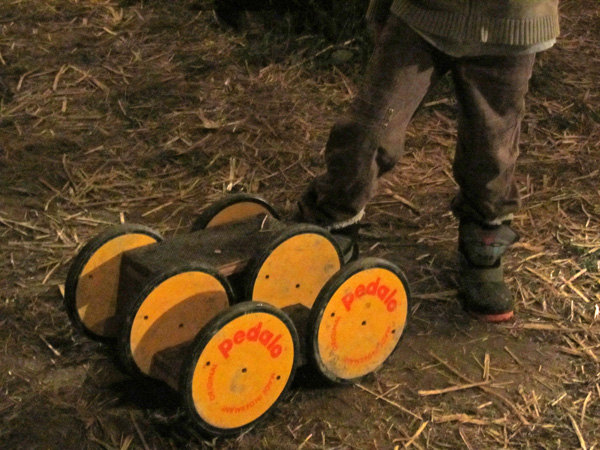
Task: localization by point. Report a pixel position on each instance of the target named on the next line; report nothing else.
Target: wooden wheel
(93, 279)
(358, 319)
(294, 267)
(238, 368)
(169, 312)
(233, 208)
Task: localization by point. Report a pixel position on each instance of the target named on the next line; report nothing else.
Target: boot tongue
(488, 234)
(508, 235)
(484, 245)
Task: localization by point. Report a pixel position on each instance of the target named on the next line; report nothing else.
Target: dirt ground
(147, 111)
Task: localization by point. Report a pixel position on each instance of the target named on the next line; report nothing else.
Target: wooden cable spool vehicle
(225, 314)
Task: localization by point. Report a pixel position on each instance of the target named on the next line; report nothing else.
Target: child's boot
(482, 285)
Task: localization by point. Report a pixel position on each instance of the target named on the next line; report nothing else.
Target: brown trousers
(368, 140)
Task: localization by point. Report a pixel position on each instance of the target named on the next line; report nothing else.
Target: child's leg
(490, 91)
(368, 140)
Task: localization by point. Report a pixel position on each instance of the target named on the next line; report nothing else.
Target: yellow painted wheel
(294, 267)
(93, 279)
(170, 311)
(358, 319)
(233, 208)
(239, 367)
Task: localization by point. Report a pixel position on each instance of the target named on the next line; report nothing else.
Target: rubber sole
(494, 318)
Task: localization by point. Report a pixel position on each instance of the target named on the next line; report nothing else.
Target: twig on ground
(391, 402)
(501, 397)
(582, 442)
(461, 387)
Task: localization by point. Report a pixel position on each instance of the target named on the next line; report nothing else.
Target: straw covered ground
(146, 111)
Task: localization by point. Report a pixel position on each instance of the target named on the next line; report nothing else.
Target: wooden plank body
(167, 364)
(227, 249)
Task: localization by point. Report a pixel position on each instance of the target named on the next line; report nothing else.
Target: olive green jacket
(508, 22)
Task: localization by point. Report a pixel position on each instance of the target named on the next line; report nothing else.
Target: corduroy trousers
(368, 140)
